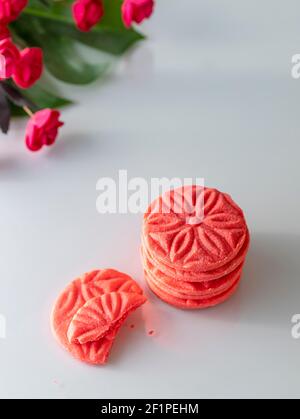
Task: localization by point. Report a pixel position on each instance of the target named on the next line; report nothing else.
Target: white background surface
(210, 94)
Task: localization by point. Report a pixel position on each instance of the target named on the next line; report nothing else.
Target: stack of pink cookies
(194, 244)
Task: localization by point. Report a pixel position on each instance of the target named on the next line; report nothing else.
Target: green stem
(46, 15)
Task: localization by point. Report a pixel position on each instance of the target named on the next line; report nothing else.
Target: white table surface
(210, 94)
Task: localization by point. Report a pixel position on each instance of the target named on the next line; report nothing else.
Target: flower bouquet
(38, 35)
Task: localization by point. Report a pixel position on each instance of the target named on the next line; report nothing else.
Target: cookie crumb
(132, 326)
(151, 332)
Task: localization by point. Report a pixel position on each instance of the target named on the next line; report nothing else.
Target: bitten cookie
(89, 312)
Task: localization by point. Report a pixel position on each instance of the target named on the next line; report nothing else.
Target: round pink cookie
(189, 304)
(177, 236)
(191, 290)
(89, 312)
(190, 276)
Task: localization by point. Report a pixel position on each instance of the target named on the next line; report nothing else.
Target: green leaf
(61, 55)
(65, 63)
(57, 10)
(42, 97)
(109, 35)
(112, 16)
(16, 111)
(112, 41)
